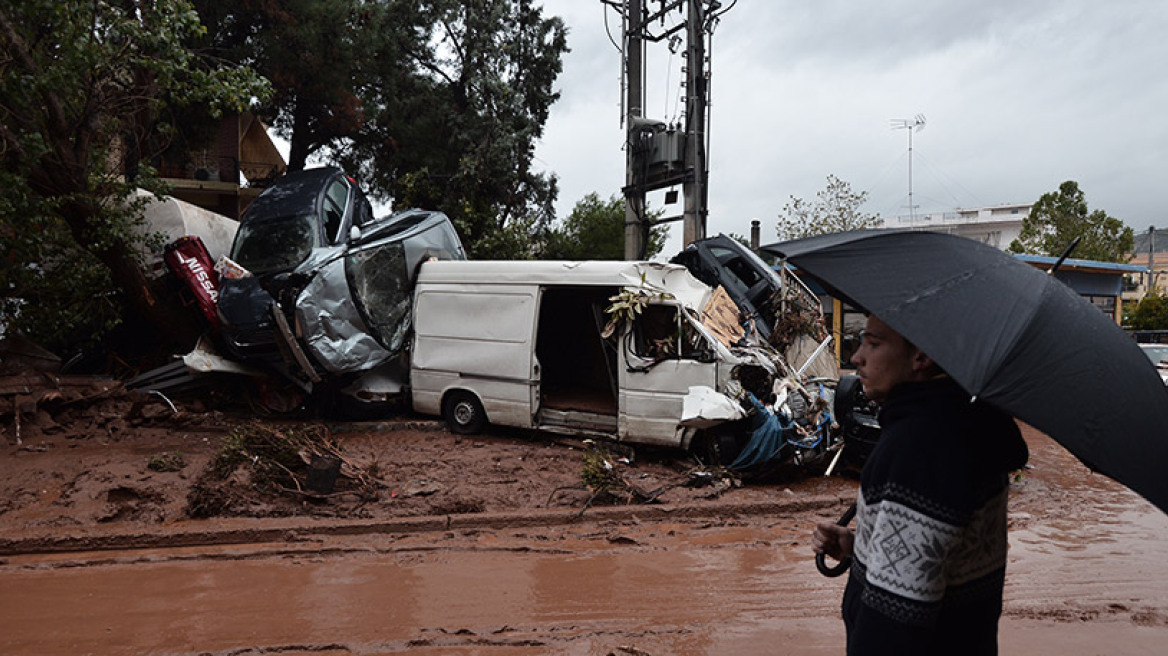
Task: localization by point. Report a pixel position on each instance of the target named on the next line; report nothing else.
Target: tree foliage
(836, 209)
(1151, 313)
(1059, 217)
(436, 104)
(595, 230)
(84, 85)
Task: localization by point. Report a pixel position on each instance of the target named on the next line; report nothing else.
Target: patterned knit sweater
(930, 548)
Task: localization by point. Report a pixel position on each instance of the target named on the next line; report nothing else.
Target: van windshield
(274, 244)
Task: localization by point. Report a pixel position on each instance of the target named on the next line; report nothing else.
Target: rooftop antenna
(915, 124)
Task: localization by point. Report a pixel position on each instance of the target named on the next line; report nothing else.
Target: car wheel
(463, 412)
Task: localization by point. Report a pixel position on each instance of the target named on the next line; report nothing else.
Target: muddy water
(1090, 582)
(707, 591)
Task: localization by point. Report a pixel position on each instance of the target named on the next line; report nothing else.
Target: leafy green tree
(745, 241)
(1059, 217)
(836, 209)
(1151, 313)
(83, 86)
(485, 92)
(435, 104)
(595, 230)
(333, 63)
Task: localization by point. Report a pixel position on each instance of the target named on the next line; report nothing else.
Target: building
(1100, 283)
(228, 174)
(997, 225)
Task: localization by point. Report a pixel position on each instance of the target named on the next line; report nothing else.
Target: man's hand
(832, 540)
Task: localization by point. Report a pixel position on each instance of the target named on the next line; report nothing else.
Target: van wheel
(717, 449)
(463, 413)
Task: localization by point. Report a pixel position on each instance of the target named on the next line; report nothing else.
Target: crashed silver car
(321, 289)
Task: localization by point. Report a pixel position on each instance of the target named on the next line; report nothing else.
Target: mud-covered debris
(602, 476)
(717, 480)
(421, 488)
(168, 461)
(259, 459)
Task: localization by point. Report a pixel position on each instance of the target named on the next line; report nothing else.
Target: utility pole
(634, 57)
(694, 189)
(1151, 258)
(659, 155)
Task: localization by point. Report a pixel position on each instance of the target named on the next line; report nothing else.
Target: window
(739, 276)
(274, 245)
(1105, 303)
(334, 210)
(661, 333)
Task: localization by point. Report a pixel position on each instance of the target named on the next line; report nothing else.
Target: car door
(661, 357)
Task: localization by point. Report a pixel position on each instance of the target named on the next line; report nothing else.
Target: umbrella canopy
(1010, 335)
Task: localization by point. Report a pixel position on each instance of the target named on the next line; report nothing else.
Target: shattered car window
(662, 333)
(278, 244)
(655, 333)
(380, 285)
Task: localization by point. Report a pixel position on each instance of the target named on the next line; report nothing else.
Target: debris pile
(35, 403)
(604, 478)
(259, 459)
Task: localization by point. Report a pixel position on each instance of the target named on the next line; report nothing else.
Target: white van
(520, 344)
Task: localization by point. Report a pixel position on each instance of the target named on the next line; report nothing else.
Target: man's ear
(922, 363)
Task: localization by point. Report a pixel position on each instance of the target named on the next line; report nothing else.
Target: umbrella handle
(846, 562)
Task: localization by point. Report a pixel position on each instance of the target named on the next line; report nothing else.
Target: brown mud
(483, 545)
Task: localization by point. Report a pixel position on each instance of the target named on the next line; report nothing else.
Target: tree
(82, 88)
(1059, 217)
(1151, 313)
(434, 104)
(836, 209)
(331, 61)
(595, 230)
(464, 141)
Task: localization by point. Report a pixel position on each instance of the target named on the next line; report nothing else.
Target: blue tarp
(766, 441)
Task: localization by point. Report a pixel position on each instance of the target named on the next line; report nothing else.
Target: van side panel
(478, 338)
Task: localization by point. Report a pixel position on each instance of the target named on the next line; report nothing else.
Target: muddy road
(728, 586)
(468, 551)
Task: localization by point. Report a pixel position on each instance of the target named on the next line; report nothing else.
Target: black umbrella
(1011, 336)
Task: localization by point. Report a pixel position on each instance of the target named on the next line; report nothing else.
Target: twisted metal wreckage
(771, 405)
(341, 315)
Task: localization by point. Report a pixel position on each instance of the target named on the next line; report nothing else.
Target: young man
(929, 548)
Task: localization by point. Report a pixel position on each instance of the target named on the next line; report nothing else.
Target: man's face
(884, 359)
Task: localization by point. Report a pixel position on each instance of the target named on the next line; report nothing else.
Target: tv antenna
(914, 124)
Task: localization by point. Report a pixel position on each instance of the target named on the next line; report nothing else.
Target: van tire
(463, 413)
(717, 449)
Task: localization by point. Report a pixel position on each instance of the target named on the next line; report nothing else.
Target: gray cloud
(1019, 96)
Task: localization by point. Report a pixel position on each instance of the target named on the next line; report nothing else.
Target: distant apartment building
(996, 225)
(1106, 285)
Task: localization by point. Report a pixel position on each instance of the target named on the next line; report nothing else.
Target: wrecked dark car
(318, 289)
(750, 282)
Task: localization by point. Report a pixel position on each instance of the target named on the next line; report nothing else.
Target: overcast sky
(1018, 95)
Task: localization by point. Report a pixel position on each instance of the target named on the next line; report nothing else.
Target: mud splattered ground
(477, 545)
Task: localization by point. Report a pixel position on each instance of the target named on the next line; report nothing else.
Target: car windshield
(275, 244)
(1156, 354)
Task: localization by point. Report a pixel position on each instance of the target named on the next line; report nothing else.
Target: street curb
(193, 533)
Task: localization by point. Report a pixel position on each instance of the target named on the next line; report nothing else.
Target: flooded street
(1093, 584)
(1085, 576)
